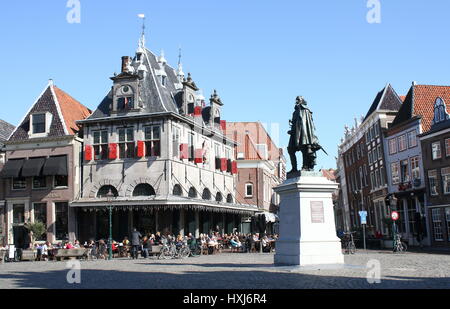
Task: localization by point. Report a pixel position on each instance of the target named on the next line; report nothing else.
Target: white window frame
(436, 152)
(432, 174)
(392, 146)
(445, 176)
(48, 121)
(415, 168)
(412, 136)
(395, 173)
(402, 143)
(249, 185)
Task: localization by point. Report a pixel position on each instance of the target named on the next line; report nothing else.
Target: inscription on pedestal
(317, 213)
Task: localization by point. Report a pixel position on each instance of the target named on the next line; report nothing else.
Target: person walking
(135, 242)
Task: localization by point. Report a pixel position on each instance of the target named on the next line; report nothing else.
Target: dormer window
(38, 121)
(440, 113)
(163, 80)
(125, 103)
(125, 98)
(40, 124)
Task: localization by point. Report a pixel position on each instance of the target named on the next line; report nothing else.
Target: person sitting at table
(157, 238)
(77, 244)
(69, 246)
(151, 239)
(235, 243)
(266, 244)
(125, 241)
(45, 247)
(102, 249)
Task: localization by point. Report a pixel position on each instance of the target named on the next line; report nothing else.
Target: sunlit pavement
(236, 271)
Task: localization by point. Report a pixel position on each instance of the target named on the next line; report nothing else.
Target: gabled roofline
(29, 110)
(58, 108)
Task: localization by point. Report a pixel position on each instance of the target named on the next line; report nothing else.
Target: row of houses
(152, 151)
(397, 157)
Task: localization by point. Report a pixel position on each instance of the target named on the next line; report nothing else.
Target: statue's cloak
(303, 129)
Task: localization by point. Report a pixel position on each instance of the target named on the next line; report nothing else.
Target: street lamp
(363, 223)
(393, 206)
(109, 197)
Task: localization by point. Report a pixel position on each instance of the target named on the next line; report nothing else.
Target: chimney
(125, 61)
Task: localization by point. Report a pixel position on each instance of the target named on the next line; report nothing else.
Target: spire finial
(180, 72)
(142, 39)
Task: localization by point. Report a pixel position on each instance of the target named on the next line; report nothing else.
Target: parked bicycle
(399, 245)
(348, 243)
(172, 251)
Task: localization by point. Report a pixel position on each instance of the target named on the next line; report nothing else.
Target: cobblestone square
(235, 271)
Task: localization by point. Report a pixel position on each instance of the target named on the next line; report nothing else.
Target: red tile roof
(424, 99)
(71, 109)
(329, 174)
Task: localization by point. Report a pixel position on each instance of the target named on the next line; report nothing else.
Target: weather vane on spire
(142, 39)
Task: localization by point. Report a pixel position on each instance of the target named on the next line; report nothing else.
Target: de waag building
(158, 156)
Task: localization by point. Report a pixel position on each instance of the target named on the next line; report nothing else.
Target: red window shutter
(198, 156)
(223, 164)
(140, 149)
(88, 153)
(234, 169)
(198, 111)
(112, 151)
(223, 125)
(184, 154)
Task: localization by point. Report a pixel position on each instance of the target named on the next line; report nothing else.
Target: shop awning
(33, 167)
(12, 168)
(55, 166)
(268, 216)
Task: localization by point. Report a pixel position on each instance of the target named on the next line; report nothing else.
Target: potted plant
(36, 229)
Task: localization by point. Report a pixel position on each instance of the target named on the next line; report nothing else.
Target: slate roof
(65, 112)
(156, 98)
(419, 102)
(5, 131)
(386, 99)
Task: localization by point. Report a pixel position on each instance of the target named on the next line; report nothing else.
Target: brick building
(5, 131)
(362, 154)
(162, 152)
(435, 144)
(41, 175)
(261, 167)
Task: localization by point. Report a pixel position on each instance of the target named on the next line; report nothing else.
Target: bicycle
(168, 251)
(399, 245)
(183, 252)
(349, 243)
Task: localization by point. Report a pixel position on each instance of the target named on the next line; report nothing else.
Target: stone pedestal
(307, 225)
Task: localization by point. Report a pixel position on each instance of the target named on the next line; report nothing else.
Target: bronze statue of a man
(302, 138)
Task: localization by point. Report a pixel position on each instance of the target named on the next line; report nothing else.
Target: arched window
(177, 190)
(144, 189)
(206, 194)
(440, 113)
(105, 190)
(219, 197)
(229, 198)
(192, 192)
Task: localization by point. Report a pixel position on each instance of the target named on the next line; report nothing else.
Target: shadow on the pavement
(227, 265)
(230, 279)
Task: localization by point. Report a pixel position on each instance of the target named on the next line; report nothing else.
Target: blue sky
(258, 54)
